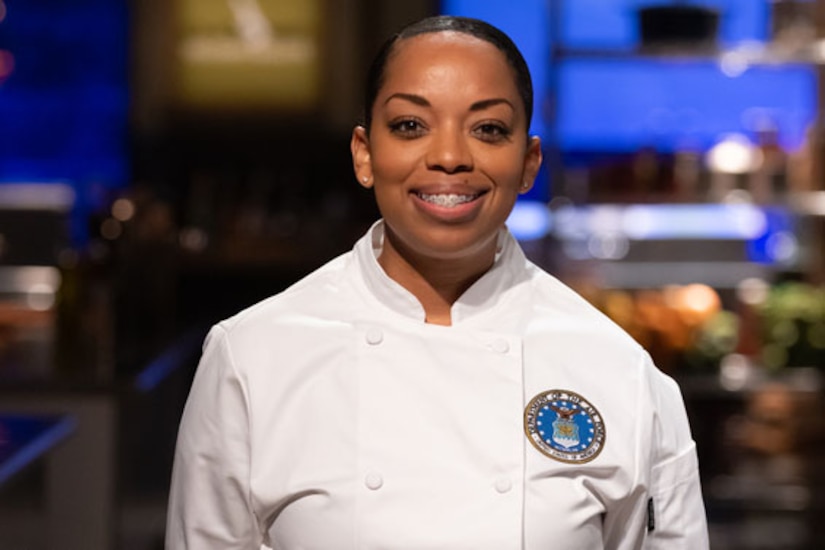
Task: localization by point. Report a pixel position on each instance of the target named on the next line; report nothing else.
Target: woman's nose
(449, 151)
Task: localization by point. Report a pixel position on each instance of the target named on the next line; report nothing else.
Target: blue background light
(64, 106)
(670, 105)
(612, 23)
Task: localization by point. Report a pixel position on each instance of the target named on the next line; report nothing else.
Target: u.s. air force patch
(564, 425)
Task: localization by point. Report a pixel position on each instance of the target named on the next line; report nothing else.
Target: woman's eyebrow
(487, 103)
(413, 98)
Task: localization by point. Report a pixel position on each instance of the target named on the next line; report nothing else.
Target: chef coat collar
(482, 297)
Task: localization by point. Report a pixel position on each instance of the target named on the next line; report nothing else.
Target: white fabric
(331, 416)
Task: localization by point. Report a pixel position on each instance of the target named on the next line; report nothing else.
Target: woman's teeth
(449, 200)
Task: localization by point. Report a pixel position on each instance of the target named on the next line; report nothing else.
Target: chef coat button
(373, 481)
(500, 345)
(503, 485)
(374, 336)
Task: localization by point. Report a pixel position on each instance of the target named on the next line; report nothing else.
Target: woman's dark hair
(443, 23)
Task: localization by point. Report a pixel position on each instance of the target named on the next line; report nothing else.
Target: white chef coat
(331, 416)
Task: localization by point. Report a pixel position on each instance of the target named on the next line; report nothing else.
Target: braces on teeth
(447, 200)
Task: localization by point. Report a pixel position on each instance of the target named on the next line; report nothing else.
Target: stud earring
(365, 179)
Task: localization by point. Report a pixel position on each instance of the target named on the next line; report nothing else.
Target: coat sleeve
(209, 502)
(675, 510)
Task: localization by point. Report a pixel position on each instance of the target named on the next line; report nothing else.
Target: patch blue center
(565, 426)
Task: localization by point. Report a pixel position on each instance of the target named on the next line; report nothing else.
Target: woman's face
(447, 152)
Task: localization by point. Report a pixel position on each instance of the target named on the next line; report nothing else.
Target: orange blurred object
(695, 303)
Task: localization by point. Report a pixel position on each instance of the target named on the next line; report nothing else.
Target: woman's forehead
(421, 47)
(427, 56)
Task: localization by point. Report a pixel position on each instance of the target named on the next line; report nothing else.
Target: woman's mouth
(448, 200)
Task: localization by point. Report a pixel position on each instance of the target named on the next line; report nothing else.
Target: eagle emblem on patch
(565, 426)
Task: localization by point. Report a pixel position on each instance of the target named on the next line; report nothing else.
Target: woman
(432, 389)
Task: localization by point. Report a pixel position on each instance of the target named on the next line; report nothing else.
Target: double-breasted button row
(374, 481)
(375, 336)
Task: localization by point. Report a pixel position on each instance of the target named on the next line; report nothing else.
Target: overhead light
(734, 154)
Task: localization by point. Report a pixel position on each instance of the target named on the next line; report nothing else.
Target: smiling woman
(432, 388)
(447, 151)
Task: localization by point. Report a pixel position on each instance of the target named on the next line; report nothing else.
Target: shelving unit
(614, 254)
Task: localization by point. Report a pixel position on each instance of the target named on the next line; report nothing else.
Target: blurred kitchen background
(164, 163)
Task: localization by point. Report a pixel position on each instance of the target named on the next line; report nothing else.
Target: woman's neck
(437, 283)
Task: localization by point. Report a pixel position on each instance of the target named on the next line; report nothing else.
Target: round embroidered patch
(563, 425)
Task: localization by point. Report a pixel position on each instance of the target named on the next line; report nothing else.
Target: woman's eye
(491, 131)
(407, 128)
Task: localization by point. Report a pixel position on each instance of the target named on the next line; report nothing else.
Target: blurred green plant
(793, 326)
(713, 340)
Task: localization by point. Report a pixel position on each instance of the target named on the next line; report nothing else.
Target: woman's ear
(532, 163)
(361, 159)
